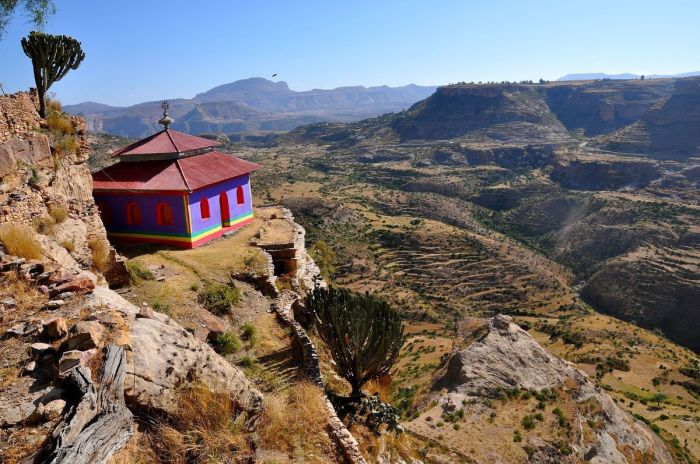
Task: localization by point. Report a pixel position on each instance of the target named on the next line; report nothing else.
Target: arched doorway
(223, 207)
(164, 214)
(133, 214)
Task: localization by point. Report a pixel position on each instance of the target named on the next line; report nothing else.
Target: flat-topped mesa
(174, 189)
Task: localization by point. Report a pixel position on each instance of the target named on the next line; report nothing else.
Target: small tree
(363, 333)
(52, 57)
(37, 11)
(658, 398)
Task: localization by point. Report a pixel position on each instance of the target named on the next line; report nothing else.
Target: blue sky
(154, 49)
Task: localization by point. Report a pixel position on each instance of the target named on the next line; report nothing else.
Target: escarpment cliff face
(600, 107)
(75, 357)
(500, 112)
(668, 130)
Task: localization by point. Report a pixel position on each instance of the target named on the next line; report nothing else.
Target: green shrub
(34, 178)
(247, 361)
(138, 271)
(517, 437)
(227, 343)
(162, 308)
(528, 422)
(249, 332)
(218, 298)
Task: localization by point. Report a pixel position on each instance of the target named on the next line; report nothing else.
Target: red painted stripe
(180, 244)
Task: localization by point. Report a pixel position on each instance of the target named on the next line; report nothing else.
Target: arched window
(240, 197)
(104, 212)
(204, 208)
(223, 207)
(133, 214)
(164, 214)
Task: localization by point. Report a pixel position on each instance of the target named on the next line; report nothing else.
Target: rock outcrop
(508, 357)
(37, 179)
(164, 356)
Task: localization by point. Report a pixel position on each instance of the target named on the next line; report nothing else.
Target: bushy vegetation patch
(138, 272)
(227, 343)
(218, 298)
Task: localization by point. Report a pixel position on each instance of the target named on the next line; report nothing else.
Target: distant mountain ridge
(596, 76)
(254, 104)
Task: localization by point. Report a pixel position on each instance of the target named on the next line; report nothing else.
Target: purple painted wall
(116, 206)
(212, 194)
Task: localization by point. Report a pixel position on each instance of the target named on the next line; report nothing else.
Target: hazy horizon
(146, 51)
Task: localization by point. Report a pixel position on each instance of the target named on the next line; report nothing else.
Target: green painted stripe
(236, 220)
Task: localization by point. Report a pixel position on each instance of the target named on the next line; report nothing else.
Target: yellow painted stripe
(238, 220)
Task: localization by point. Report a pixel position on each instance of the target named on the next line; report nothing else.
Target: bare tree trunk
(100, 424)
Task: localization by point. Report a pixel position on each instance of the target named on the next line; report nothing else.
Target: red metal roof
(185, 174)
(166, 141)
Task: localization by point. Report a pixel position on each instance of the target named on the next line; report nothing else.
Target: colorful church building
(173, 189)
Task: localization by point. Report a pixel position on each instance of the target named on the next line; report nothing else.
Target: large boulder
(508, 357)
(165, 357)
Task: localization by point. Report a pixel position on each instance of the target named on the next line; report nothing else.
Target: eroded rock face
(165, 356)
(508, 357)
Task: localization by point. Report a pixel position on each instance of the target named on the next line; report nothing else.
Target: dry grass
(296, 424)
(58, 213)
(139, 450)
(44, 225)
(19, 241)
(53, 105)
(60, 124)
(100, 253)
(206, 428)
(8, 375)
(388, 445)
(69, 245)
(66, 144)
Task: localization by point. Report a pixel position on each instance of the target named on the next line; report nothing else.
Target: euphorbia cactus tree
(52, 57)
(363, 333)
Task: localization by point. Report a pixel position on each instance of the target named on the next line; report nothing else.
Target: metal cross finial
(165, 120)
